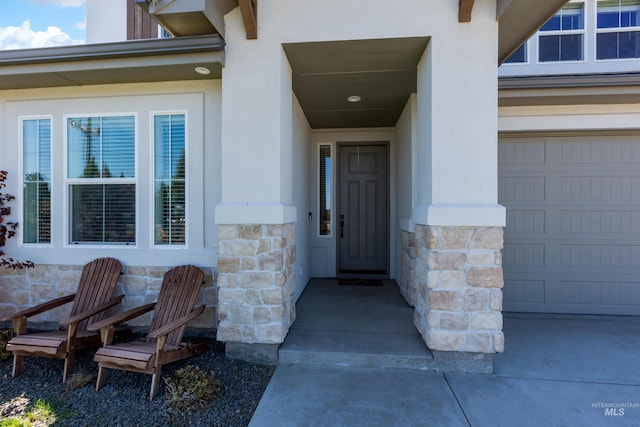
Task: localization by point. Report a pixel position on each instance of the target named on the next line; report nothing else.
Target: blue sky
(28, 24)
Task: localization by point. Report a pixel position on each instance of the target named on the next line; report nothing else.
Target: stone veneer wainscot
(453, 278)
(256, 283)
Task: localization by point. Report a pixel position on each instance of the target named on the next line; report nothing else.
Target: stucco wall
(301, 196)
(457, 104)
(200, 101)
(106, 21)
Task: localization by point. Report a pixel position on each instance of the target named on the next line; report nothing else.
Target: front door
(363, 224)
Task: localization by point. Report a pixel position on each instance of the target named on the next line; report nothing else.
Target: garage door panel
(524, 254)
(528, 222)
(595, 189)
(526, 291)
(616, 151)
(599, 292)
(522, 188)
(600, 223)
(572, 235)
(522, 152)
(600, 256)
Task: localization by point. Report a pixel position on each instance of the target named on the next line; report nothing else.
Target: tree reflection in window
(170, 179)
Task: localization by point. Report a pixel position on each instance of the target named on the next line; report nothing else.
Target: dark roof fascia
(116, 50)
(569, 81)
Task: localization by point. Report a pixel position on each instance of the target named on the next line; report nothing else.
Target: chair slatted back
(96, 286)
(178, 294)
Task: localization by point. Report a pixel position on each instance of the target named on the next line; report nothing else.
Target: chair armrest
(121, 317)
(86, 314)
(166, 329)
(41, 308)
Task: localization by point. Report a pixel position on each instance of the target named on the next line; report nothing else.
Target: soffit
(110, 63)
(382, 72)
(520, 19)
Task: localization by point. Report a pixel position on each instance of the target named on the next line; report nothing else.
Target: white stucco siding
(456, 104)
(106, 21)
(457, 87)
(301, 196)
(199, 101)
(406, 157)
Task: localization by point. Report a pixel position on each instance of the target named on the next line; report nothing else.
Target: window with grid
(36, 191)
(561, 38)
(101, 179)
(519, 56)
(618, 29)
(169, 179)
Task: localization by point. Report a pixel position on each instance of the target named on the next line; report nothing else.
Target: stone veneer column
(459, 299)
(409, 264)
(255, 288)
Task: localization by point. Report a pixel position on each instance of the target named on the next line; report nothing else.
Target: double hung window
(101, 179)
(618, 29)
(561, 38)
(36, 167)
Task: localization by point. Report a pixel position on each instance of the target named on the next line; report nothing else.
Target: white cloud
(24, 37)
(62, 3)
(81, 25)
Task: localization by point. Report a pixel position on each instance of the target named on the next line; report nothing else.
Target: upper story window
(561, 38)
(101, 179)
(519, 56)
(618, 29)
(36, 190)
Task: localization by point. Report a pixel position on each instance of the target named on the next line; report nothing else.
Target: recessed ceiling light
(203, 70)
(354, 98)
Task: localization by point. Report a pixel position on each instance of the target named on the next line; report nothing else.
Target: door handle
(342, 226)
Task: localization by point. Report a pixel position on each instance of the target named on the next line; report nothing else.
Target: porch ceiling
(383, 73)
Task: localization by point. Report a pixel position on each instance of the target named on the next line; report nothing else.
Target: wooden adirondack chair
(90, 302)
(163, 344)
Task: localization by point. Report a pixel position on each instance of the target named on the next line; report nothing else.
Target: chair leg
(17, 365)
(155, 383)
(102, 376)
(68, 367)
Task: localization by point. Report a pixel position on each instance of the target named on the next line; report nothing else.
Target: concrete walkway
(556, 371)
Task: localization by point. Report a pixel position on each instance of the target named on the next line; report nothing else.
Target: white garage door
(572, 240)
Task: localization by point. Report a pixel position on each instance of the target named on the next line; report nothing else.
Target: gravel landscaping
(124, 399)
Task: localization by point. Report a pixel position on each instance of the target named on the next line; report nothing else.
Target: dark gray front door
(363, 210)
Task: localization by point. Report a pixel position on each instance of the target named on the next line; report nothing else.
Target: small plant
(191, 388)
(42, 413)
(12, 422)
(79, 380)
(5, 336)
(8, 229)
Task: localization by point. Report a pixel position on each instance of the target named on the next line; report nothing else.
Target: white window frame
(540, 34)
(20, 207)
(152, 193)
(598, 31)
(69, 182)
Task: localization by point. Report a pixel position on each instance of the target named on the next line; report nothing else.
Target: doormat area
(360, 282)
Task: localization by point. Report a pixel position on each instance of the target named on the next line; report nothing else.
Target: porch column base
(463, 362)
(255, 283)
(458, 291)
(265, 354)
